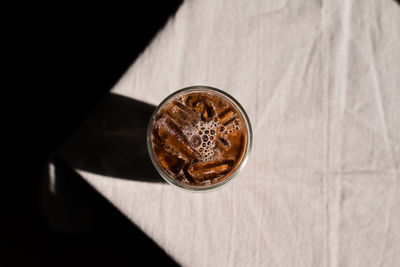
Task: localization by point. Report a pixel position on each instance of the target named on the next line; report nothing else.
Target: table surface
(320, 81)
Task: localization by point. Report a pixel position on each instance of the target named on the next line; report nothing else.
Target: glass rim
(243, 161)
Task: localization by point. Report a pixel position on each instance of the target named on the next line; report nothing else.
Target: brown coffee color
(199, 138)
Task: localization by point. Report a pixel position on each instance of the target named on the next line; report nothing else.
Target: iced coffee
(199, 137)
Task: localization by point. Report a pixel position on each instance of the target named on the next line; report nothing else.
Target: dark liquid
(199, 138)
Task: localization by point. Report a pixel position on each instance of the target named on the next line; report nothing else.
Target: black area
(84, 229)
(77, 56)
(111, 141)
(66, 58)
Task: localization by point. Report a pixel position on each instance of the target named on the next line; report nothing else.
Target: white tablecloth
(320, 81)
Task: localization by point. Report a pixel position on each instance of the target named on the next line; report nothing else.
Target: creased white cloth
(320, 81)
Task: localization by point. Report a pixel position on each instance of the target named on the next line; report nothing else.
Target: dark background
(66, 59)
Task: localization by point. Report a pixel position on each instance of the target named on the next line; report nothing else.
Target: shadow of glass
(111, 141)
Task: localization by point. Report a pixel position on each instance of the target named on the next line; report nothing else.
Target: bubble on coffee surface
(203, 129)
(204, 138)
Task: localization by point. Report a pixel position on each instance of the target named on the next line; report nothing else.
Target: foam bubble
(209, 132)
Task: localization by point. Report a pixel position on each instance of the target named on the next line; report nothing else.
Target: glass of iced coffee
(199, 138)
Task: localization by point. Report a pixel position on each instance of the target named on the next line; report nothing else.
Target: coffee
(199, 137)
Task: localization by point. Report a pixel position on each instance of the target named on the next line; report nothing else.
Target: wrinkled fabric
(320, 81)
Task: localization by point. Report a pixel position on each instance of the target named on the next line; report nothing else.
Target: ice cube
(210, 169)
(170, 132)
(224, 141)
(181, 114)
(227, 116)
(191, 100)
(206, 110)
(168, 161)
